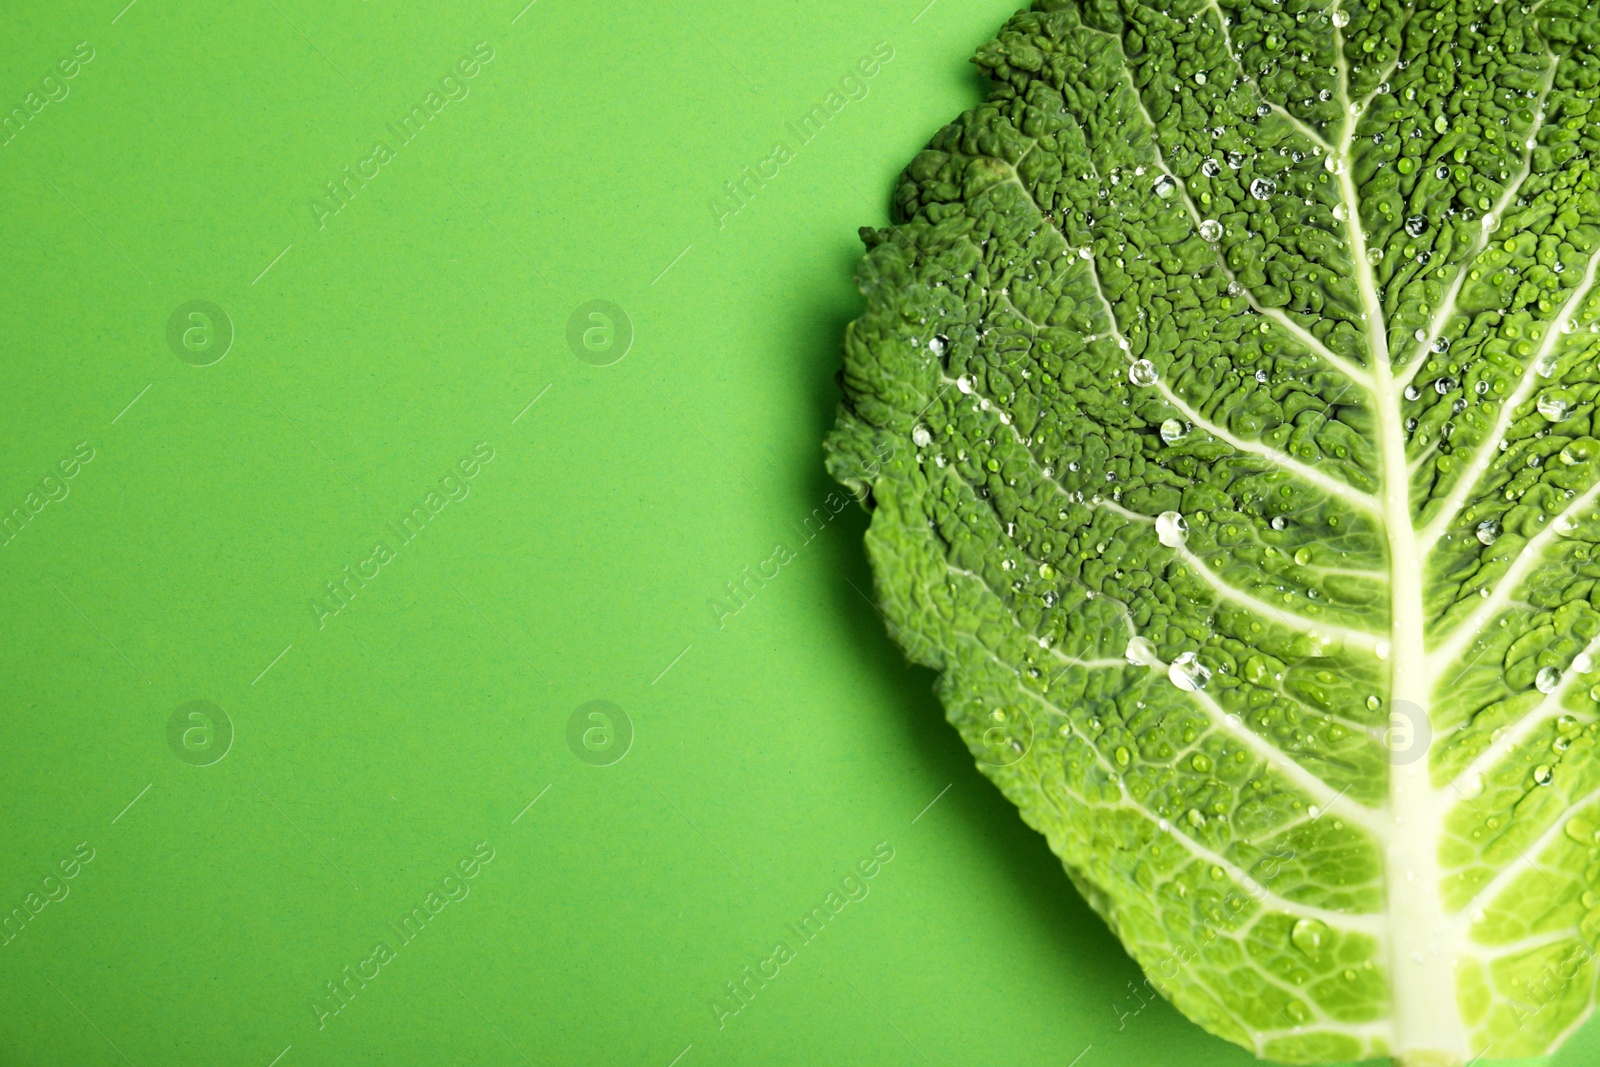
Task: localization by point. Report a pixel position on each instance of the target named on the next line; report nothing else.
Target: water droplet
(1211, 230)
(1140, 652)
(1546, 366)
(1547, 679)
(1542, 775)
(1583, 663)
(1278, 522)
(1188, 673)
(1173, 431)
(1488, 532)
(1309, 936)
(1201, 762)
(1412, 392)
(1165, 186)
(1553, 408)
(1211, 168)
(1200, 78)
(1374, 703)
(964, 384)
(1263, 188)
(1143, 373)
(1302, 556)
(1444, 385)
(1171, 529)
(921, 436)
(938, 345)
(1341, 19)
(1416, 225)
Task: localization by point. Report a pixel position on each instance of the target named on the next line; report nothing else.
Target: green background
(374, 348)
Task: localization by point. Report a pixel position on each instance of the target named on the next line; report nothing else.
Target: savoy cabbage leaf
(1236, 363)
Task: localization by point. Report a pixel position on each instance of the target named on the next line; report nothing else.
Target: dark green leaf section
(1123, 293)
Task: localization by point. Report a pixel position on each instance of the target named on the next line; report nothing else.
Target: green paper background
(373, 749)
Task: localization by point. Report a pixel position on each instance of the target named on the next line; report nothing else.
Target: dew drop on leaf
(1171, 529)
(1188, 673)
(1140, 652)
(1309, 935)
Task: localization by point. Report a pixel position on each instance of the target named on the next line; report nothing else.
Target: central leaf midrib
(1422, 944)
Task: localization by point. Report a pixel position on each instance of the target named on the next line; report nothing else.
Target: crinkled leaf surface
(1225, 399)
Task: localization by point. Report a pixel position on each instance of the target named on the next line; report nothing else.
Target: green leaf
(1224, 400)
